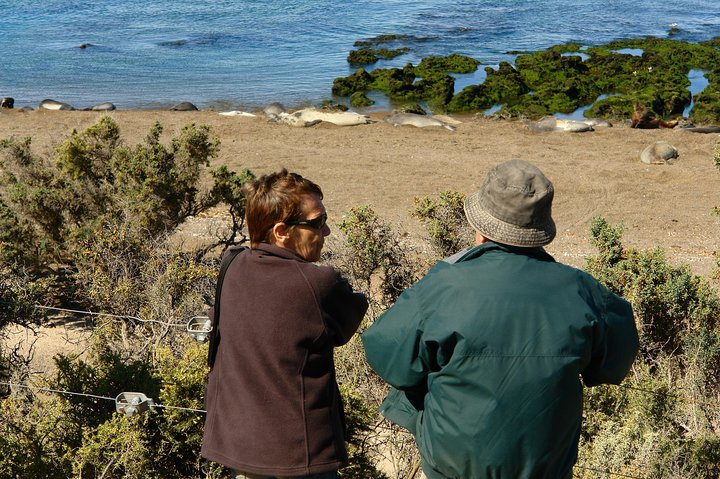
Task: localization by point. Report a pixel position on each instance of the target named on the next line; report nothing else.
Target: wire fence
(96, 314)
(93, 396)
(604, 472)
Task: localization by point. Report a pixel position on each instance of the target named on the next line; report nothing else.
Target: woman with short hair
(273, 405)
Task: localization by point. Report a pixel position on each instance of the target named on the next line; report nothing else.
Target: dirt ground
(386, 167)
(595, 173)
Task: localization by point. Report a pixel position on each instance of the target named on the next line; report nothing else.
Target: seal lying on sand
(701, 129)
(273, 110)
(597, 123)
(106, 106)
(550, 123)
(54, 105)
(184, 106)
(642, 118)
(237, 113)
(310, 116)
(420, 121)
(659, 153)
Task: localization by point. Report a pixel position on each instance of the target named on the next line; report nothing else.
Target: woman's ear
(281, 234)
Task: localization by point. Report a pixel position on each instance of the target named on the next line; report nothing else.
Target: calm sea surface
(246, 54)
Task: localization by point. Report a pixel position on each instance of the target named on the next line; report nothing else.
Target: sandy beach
(595, 173)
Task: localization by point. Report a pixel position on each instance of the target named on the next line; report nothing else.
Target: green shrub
(444, 218)
(374, 251)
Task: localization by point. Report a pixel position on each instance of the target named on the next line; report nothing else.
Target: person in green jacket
(486, 353)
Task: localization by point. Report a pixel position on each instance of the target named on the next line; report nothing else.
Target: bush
(374, 251)
(101, 217)
(658, 423)
(444, 218)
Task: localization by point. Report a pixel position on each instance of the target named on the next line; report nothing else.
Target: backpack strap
(214, 312)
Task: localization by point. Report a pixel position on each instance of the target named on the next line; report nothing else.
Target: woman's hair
(274, 198)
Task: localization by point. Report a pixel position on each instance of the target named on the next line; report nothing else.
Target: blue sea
(245, 54)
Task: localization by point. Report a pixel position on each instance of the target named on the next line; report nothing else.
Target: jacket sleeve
(615, 342)
(344, 310)
(394, 347)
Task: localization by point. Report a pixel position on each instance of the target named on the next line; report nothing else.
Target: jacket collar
(270, 249)
(477, 251)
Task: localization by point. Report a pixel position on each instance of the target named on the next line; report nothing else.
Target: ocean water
(244, 54)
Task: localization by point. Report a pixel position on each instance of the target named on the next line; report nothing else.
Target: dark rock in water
(360, 100)
(7, 102)
(184, 106)
(54, 105)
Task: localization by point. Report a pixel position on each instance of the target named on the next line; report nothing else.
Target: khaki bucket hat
(513, 206)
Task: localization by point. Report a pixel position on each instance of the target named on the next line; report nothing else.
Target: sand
(595, 173)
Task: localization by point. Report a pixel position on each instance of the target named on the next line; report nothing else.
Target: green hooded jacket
(485, 357)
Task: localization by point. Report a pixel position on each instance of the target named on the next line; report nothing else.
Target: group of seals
(49, 104)
(310, 116)
(58, 105)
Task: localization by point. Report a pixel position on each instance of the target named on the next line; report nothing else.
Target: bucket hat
(513, 206)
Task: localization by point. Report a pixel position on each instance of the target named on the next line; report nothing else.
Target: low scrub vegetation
(92, 229)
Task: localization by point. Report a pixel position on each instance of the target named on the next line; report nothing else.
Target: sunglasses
(317, 223)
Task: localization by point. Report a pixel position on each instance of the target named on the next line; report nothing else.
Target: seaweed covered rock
(613, 107)
(368, 56)
(360, 100)
(454, 63)
(373, 49)
(502, 85)
(562, 79)
(359, 81)
(402, 84)
(707, 107)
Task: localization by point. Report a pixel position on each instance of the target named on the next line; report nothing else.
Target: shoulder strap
(215, 319)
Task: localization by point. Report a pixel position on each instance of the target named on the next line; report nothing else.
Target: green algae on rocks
(429, 81)
(562, 79)
(368, 56)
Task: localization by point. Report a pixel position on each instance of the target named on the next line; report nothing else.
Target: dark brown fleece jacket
(273, 405)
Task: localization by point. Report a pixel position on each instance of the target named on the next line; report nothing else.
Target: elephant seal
(701, 129)
(273, 110)
(419, 121)
(293, 120)
(54, 105)
(311, 116)
(550, 123)
(7, 102)
(106, 106)
(659, 153)
(237, 113)
(184, 106)
(644, 119)
(597, 122)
